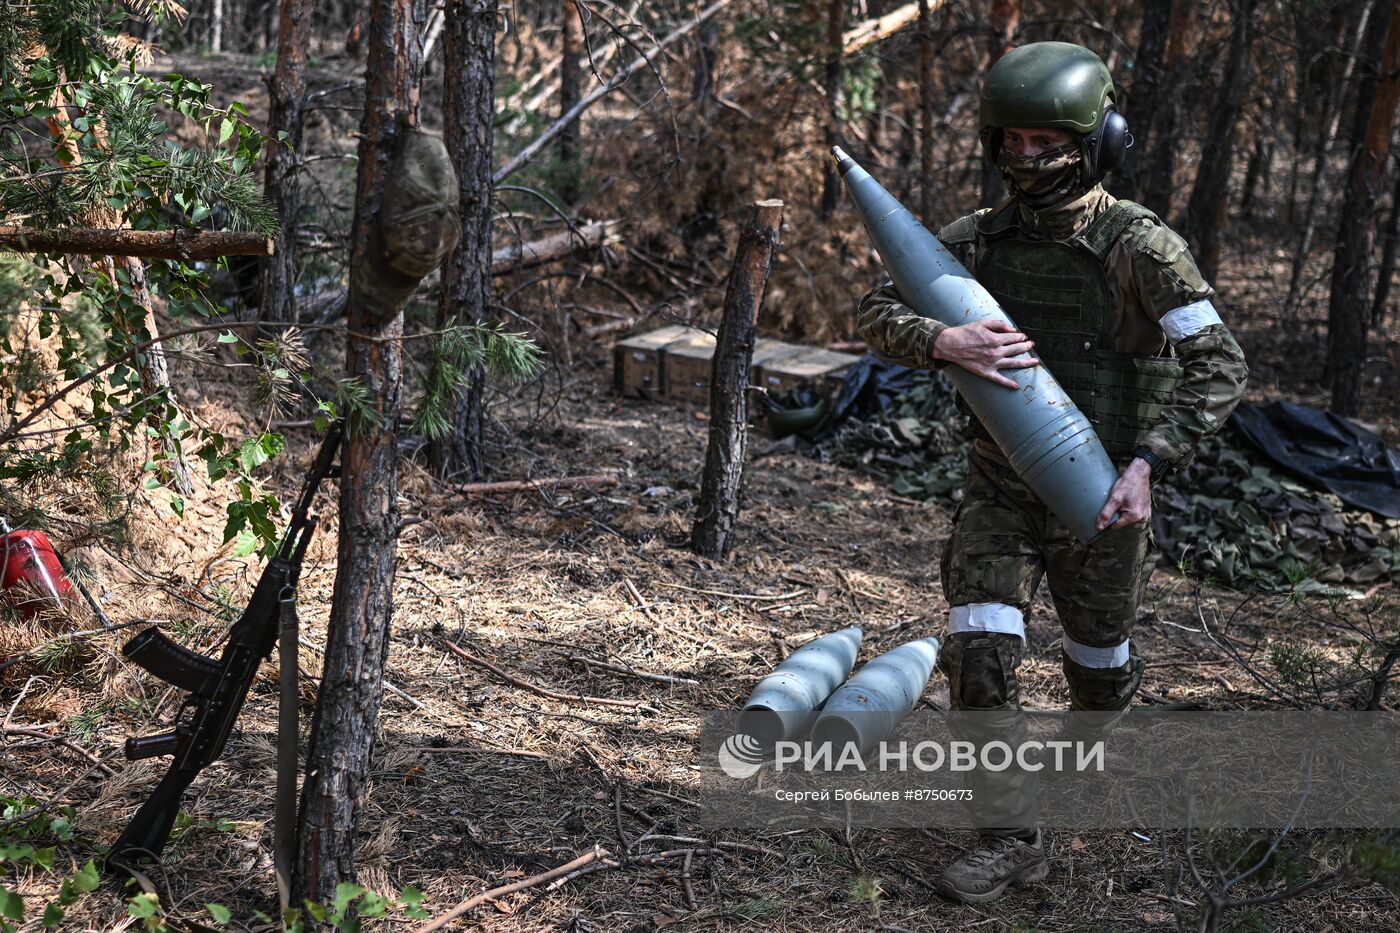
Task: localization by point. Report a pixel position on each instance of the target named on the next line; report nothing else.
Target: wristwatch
(1157, 465)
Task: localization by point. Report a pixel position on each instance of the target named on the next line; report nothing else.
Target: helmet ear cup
(1114, 142)
(1105, 149)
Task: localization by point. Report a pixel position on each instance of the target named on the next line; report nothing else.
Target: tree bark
(1156, 186)
(570, 88)
(1348, 315)
(926, 118)
(1210, 196)
(1387, 267)
(1327, 136)
(1003, 19)
(1144, 98)
(343, 730)
(469, 51)
(278, 274)
(722, 486)
(148, 244)
(831, 179)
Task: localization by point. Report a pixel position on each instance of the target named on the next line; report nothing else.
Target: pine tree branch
(148, 244)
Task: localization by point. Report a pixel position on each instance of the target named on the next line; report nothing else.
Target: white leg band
(1180, 323)
(987, 617)
(1089, 656)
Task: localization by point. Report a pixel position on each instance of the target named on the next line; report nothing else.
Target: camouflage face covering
(1041, 180)
(418, 225)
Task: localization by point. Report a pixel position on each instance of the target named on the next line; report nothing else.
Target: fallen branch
(874, 30)
(555, 246)
(148, 244)
(544, 691)
(597, 854)
(525, 485)
(632, 672)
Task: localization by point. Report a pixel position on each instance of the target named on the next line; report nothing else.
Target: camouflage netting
(1230, 517)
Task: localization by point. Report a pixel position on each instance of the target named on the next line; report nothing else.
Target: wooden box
(823, 368)
(688, 372)
(640, 362)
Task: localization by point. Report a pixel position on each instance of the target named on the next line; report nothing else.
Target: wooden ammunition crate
(689, 367)
(688, 372)
(676, 362)
(639, 363)
(824, 368)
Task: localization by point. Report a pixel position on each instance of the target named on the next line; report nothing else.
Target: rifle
(216, 689)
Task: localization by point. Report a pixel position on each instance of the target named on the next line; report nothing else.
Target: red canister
(31, 577)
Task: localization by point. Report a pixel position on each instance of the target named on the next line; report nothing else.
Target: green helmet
(1056, 85)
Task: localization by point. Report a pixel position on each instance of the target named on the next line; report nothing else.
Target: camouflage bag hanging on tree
(418, 223)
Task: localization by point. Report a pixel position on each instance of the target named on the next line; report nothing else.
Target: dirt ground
(481, 778)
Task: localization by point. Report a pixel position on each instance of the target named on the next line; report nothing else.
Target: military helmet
(1056, 85)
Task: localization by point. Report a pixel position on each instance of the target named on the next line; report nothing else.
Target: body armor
(1057, 294)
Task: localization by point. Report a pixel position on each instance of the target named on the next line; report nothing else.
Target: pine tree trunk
(926, 119)
(1144, 97)
(1327, 136)
(1210, 196)
(343, 730)
(1348, 315)
(469, 51)
(570, 87)
(831, 179)
(1387, 266)
(717, 515)
(277, 294)
(1004, 19)
(1157, 182)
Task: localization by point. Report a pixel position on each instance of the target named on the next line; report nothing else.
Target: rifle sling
(288, 730)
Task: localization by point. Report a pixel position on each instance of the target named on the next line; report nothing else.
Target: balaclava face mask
(1042, 180)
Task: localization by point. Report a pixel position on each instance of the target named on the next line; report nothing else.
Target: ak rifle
(216, 689)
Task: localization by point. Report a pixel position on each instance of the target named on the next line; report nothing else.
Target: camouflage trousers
(1004, 541)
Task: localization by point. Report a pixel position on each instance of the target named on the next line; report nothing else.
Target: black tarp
(1326, 450)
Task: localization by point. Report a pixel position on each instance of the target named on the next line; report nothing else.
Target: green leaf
(252, 454)
(225, 131)
(11, 905)
(87, 879)
(228, 337)
(53, 916)
(345, 893)
(247, 544)
(219, 912)
(143, 906)
(177, 505)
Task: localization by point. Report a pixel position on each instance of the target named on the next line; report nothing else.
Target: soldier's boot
(998, 863)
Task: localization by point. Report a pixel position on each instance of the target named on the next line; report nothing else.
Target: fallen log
(146, 244)
(525, 485)
(555, 246)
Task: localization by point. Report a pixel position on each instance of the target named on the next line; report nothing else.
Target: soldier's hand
(1131, 497)
(986, 348)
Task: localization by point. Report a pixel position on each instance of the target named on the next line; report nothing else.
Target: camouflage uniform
(1174, 373)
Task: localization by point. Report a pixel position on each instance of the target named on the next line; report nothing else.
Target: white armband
(1180, 323)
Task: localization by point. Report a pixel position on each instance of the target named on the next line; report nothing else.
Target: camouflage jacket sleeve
(895, 331)
(1178, 299)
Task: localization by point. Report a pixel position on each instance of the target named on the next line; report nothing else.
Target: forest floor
(478, 780)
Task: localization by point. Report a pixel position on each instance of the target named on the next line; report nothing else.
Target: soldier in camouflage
(1110, 300)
